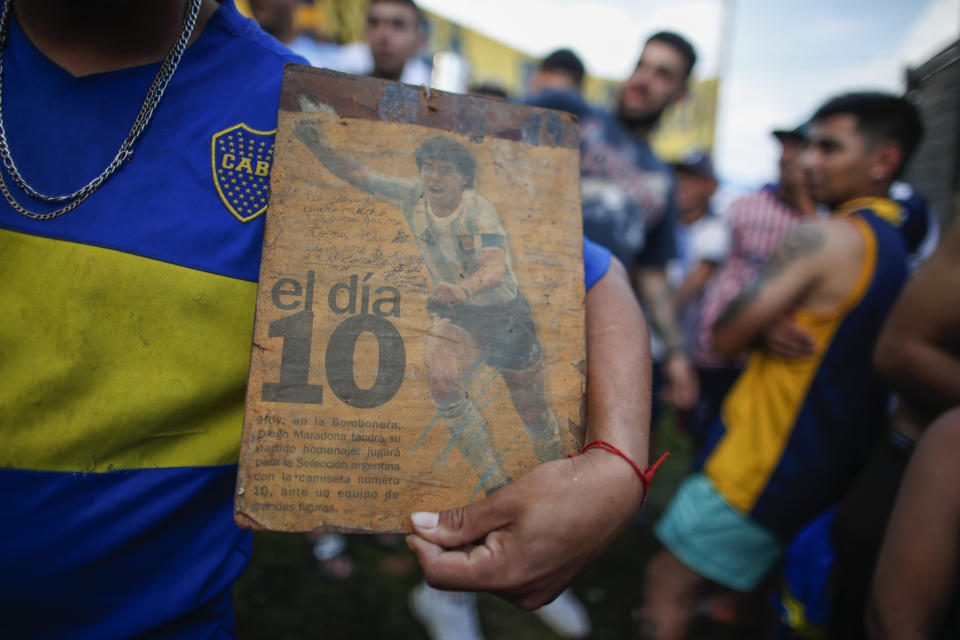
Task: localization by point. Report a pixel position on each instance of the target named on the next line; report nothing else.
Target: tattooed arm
(655, 298)
(785, 279)
(681, 386)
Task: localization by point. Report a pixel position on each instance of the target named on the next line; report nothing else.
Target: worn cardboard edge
(474, 116)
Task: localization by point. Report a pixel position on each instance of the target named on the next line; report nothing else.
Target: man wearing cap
(702, 240)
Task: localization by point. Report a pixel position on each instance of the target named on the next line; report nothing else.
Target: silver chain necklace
(167, 69)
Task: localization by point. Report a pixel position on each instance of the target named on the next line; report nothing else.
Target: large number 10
(297, 333)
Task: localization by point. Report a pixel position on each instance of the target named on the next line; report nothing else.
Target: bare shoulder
(840, 230)
(808, 242)
(812, 234)
(840, 239)
(833, 251)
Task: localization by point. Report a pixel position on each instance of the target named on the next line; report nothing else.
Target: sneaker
(565, 616)
(447, 615)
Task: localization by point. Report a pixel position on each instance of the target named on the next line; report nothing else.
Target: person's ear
(885, 161)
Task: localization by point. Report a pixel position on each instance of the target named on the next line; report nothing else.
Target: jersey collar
(884, 208)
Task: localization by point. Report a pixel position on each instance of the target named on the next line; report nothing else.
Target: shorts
(710, 537)
(504, 332)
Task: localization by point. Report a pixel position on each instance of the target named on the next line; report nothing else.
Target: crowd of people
(779, 303)
(806, 337)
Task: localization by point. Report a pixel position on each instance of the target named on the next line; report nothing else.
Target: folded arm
(790, 273)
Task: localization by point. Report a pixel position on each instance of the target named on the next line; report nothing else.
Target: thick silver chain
(167, 69)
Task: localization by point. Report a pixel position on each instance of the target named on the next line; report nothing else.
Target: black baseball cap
(697, 163)
(799, 134)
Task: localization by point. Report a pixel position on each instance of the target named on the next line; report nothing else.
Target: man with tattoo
(794, 431)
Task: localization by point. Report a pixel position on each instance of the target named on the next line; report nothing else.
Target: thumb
(456, 527)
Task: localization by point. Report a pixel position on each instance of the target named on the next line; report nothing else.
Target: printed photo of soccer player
(478, 314)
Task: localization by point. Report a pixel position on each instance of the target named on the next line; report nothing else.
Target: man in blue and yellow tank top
(793, 432)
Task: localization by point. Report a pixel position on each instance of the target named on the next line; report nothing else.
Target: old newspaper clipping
(419, 335)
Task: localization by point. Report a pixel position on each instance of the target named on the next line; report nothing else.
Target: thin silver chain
(167, 69)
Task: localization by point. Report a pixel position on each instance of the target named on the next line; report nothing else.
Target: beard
(638, 120)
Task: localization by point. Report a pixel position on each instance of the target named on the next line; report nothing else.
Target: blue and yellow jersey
(124, 345)
(792, 433)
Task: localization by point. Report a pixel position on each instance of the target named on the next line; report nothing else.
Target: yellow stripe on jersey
(761, 410)
(883, 208)
(121, 348)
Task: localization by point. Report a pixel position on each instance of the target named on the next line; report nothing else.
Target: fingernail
(425, 519)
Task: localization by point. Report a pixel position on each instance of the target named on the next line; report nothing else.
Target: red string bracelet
(646, 476)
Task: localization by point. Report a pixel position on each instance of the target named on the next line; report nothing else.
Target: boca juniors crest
(241, 159)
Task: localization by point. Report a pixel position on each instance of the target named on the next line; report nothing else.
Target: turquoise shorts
(713, 539)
